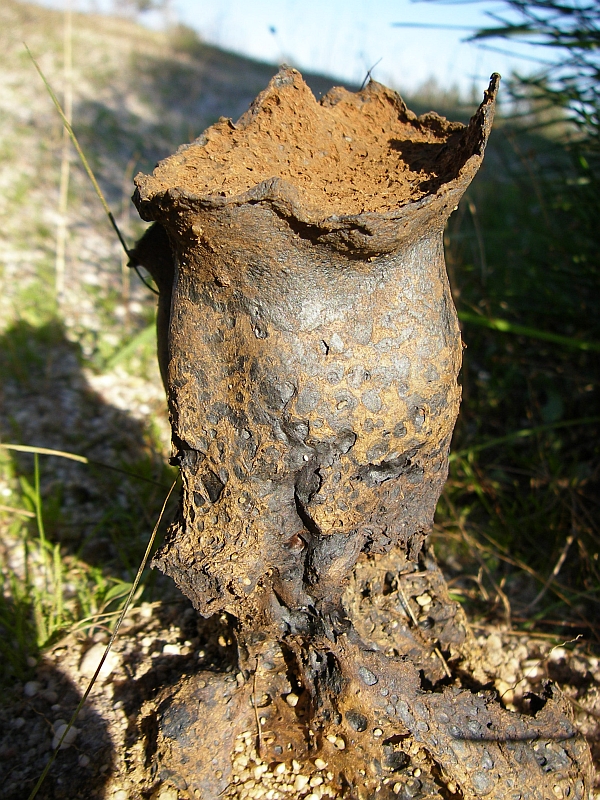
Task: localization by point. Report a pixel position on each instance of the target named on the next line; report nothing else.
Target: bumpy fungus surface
(311, 352)
(313, 358)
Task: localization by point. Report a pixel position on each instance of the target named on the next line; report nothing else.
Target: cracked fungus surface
(347, 154)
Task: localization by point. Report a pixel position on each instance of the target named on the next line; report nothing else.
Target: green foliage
(568, 34)
(47, 592)
(522, 250)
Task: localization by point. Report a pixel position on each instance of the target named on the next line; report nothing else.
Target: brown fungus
(310, 350)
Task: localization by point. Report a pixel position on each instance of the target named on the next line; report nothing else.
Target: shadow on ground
(101, 517)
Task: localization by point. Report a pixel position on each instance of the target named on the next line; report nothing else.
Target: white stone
(557, 654)
(171, 650)
(31, 688)
(59, 729)
(168, 793)
(91, 659)
(300, 783)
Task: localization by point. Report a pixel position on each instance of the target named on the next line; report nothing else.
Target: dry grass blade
(498, 552)
(115, 632)
(44, 451)
(473, 547)
(505, 326)
(80, 152)
(47, 451)
(553, 574)
(20, 511)
(85, 163)
(524, 433)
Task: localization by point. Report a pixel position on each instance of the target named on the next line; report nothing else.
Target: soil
(346, 154)
(160, 644)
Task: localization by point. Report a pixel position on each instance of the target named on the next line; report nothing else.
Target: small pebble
(171, 650)
(300, 783)
(59, 727)
(31, 688)
(31, 662)
(280, 769)
(120, 794)
(316, 780)
(93, 656)
(340, 743)
(557, 654)
(377, 732)
(320, 764)
(18, 723)
(146, 610)
(168, 793)
(83, 760)
(423, 600)
(367, 677)
(292, 699)
(259, 771)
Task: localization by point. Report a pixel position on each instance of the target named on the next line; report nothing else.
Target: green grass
(50, 593)
(520, 510)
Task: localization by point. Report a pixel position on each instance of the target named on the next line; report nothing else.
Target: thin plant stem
(472, 545)
(86, 165)
(61, 232)
(557, 568)
(80, 152)
(38, 503)
(37, 499)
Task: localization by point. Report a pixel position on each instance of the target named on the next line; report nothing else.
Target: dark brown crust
(312, 378)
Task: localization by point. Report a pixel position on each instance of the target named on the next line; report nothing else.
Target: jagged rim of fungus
(156, 195)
